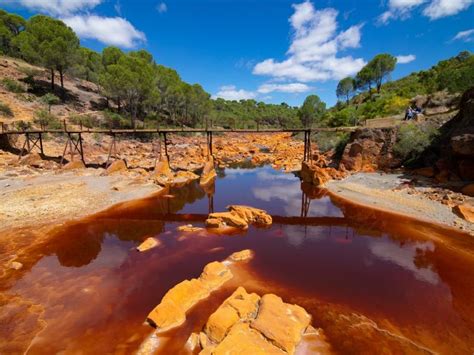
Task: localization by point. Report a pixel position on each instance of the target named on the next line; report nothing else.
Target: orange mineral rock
(281, 322)
(251, 214)
(246, 323)
(239, 217)
(465, 210)
(171, 312)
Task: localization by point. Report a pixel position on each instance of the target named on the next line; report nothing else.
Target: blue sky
(272, 51)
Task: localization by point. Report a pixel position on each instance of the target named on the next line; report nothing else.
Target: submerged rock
(189, 228)
(241, 255)
(148, 244)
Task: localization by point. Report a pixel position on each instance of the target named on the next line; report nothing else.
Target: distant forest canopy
(140, 92)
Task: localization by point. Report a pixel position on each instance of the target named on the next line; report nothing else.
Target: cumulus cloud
(162, 7)
(403, 59)
(114, 31)
(316, 42)
(288, 88)
(230, 92)
(466, 36)
(434, 9)
(443, 8)
(59, 7)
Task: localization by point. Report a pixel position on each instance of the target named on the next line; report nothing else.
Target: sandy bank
(394, 193)
(32, 201)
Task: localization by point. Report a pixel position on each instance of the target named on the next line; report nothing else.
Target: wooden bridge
(34, 137)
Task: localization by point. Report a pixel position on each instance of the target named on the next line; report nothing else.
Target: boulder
(227, 219)
(74, 165)
(148, 244)
(244, 340)
(463, 144)
(33, 159)
(313, 174)
(171, 312)
(251, 214)
(281, 322)
(370, 150)
(117, 166)
(465, 211)
(246, 323)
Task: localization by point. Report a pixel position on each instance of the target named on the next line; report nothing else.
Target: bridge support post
(112, 151)
(209, 144)
(75, 145)
(307, 145)
(30, 143)
(166, 146)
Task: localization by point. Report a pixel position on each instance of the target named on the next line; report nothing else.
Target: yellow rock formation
(171, 312)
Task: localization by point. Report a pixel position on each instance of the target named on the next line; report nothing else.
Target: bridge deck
(185, 130)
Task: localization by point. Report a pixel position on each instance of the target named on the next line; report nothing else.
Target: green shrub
(344, 117)
(413, 139)
(5, 110)
(88, 121)
(13, 86)
(22, 125)
(47, 120)
(115, 120)
(336, 141)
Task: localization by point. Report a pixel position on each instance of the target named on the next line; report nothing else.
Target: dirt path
(393, 193)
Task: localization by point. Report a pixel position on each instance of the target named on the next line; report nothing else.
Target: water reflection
(321, 252)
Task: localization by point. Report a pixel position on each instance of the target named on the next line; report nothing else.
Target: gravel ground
(382, 191)
(29, 201)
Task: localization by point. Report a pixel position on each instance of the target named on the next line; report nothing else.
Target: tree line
(132, 83)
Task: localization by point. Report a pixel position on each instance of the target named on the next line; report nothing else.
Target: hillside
(439, 86)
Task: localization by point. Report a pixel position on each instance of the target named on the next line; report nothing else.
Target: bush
(88, 121)
(395, 105)
(115, 120)
(413, 139)
(336, 141)
(47, 120)
(5, 110)
(22, 125)
(13, 86)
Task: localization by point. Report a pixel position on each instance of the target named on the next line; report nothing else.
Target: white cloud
(403, 59)
(289, 88)
(162, 7)
(59, 7)
(443, 8)
(434, 9)
(230, 92)
(466, 36)
(312, 55)
(114, 31)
